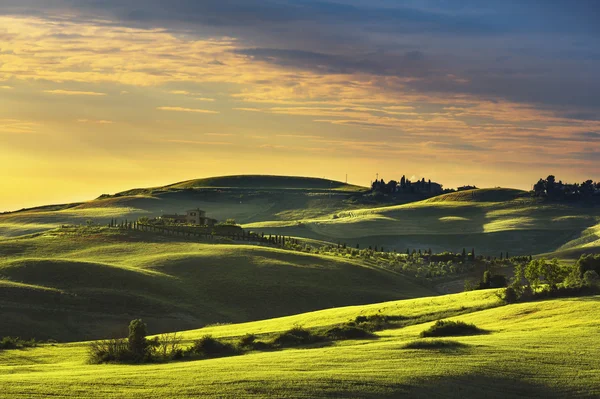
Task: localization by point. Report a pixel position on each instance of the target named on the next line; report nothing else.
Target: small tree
(138, 345)
(168, 344)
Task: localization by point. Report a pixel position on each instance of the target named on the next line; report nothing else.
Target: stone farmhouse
(195, 217)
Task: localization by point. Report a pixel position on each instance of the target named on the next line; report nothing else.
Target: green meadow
(539, 349)
(82, 283)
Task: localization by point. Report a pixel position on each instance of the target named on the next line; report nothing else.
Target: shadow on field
(465, 386)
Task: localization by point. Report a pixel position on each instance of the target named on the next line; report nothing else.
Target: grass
(539, 349)
(84, 283)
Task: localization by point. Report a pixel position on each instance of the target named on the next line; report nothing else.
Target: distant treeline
(407, 186)
(557, 190)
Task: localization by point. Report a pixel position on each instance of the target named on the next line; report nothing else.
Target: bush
(509, 295)
(348, 332)
(8, 343)
(211, 347)
(297, 336)
(247, 341)
(168, 345)
(591, 278)
(447, 328)
(376, 322)
(112, 350)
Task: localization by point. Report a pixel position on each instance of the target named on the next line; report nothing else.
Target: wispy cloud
(17, 126)
(96, 122)
(192, 110)
(196, 142)
(74, 93)
(6, 87)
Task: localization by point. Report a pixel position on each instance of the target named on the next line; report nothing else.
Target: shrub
(447, 328)
(591, 278)
(297, 336)
(348, 332)
(168, 345)
(8, 343)
(247, 341)
(376, 322)
(509, 295)
(211, 347)
(112, 350)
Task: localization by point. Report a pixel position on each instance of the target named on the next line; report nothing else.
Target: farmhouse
(195, 217)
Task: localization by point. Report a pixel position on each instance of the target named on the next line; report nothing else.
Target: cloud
(74, 93)
(96, 122)
(17, 126)
(194, 142)
(192, 110)
(6, 87)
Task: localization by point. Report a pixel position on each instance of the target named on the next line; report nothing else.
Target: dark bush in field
(509, 295)
(211, 347)
(247, 341)
(447, 328)
(376, 322)
(297, 336)
(137, 343)
(434, 344)
(109, 351)
(8, 343)
(348, 332)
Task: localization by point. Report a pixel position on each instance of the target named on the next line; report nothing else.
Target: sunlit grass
(540, 349)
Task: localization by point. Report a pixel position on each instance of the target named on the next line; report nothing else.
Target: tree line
(557, 190)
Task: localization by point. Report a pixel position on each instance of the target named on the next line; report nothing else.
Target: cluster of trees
(136, 348)
(406, 186)
(557, 190)
(416, 262)
(541, 277)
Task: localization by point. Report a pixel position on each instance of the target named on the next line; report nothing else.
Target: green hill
(244, 198)
(255, 182)
(86, 283)
(540, 349)
(491, 221)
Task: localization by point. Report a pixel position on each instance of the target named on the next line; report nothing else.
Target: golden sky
(93, 103)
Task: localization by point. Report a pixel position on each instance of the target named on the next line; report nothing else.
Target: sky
(102, 96)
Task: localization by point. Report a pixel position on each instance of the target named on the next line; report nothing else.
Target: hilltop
(252, 182)
(539, 349)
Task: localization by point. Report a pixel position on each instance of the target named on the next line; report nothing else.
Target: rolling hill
(255, 182)
(84, 283)
(540, 349)
(490, 220)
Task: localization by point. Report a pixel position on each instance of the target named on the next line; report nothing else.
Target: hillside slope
(541, 349)
(491, 221)
(86, 283)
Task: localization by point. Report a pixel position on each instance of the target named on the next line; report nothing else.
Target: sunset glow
(99, 98)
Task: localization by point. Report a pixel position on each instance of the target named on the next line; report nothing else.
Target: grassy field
(82, 283)
(491, 220)
(539, 349)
